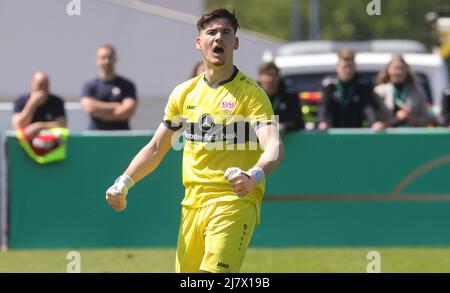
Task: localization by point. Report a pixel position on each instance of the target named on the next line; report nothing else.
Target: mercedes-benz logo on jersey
(206, 122)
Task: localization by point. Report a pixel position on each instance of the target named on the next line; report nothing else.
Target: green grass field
(294, 260)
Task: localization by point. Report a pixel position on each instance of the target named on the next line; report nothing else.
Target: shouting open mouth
(218, 50)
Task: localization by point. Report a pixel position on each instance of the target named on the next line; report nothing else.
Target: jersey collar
(214, 86)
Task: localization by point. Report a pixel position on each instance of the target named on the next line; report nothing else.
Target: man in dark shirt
(38, 109)
(446, 107)
(347, 100)
(284, 104)
(110, 100)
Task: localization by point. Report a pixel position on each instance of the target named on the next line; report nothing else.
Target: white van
(304, 64)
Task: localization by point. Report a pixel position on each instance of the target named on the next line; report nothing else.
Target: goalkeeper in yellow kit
(231, 143)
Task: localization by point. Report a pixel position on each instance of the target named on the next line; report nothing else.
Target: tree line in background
(339, 20)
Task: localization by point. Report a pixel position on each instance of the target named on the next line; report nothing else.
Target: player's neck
(107, 75)
(218, 74)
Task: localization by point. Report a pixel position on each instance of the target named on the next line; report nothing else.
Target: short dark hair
(267, 67)
(216, 13)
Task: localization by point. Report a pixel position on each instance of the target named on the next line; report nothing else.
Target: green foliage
(339, 20)
(265, 16)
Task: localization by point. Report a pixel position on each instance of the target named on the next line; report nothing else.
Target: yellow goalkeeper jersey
(218, 124)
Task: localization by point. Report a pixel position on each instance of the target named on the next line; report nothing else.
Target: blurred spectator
(401, 103)
(347, 100)
(38, 109)
(109, 99)
(198, 69)
(446, 107)
(286, 105)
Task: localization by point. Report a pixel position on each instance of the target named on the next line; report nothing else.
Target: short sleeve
(88, 90)
(260, 110)
(59, 108)
(130, 91)
(19, 104)
(172, 113)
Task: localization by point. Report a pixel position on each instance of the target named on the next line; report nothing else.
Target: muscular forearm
(144, 162)
(151, 155)
(105, 115)
(109, 111)
(98, 109)
(125, 110)
(118, 114)
(271, 158)
(34, 128)
(24, 118)
(103, 106)
(51, 124)
(122, 113)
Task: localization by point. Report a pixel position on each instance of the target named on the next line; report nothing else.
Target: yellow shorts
(215, 238)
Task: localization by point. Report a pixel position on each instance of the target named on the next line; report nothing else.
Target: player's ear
(236, 43)
(198, 43)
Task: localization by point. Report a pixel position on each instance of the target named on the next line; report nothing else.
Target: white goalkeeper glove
(244, 182)
(116, 195)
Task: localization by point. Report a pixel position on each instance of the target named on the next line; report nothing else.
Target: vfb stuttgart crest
(227, 105)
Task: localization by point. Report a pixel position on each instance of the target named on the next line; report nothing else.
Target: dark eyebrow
(216, 29)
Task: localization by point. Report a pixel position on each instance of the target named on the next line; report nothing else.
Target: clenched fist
(116, 195)
(241, 182)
